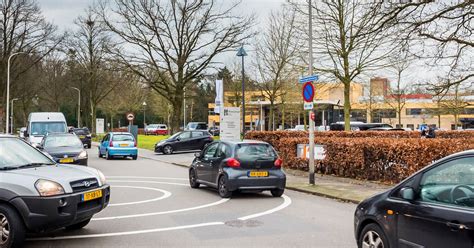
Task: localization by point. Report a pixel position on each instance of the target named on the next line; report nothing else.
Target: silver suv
(37, 195)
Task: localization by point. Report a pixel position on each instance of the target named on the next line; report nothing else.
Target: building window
(399, 126)
(379, 114)
(469, 111)
(414, 111)
(411, 126)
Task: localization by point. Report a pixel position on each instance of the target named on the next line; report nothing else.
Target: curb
(322, 195)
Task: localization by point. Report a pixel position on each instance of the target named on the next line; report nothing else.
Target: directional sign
(309, 79)
(308, 92)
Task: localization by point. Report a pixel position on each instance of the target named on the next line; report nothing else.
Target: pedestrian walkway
(344, 189)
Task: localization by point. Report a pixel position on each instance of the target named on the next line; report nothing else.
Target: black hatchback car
(184, 141)
(64, 148)
(238, 166)
(432, 208)
(84, 135)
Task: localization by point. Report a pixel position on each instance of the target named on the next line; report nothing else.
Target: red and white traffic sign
(130, 116)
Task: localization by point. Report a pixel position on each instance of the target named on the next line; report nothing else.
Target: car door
(205, 164)
(104, 143)
(443, 213)
(223, 152)
(197, 138)
(183, 141)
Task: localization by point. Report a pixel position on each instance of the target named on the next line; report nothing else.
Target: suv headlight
(48, 188)
(83, 154)
(101, 177)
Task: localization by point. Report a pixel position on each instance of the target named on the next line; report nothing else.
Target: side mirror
(197, 154)
(407, 193)
(178, 139)
(25, 134)
(39, 147)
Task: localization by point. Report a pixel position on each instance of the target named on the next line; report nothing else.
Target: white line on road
(286, 203)
(166, 178)
(127, 181)
(165, 195)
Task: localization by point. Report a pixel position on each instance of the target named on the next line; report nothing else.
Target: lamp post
(311, 122)
(13, 100)
(8, 90)
(144, 116)
(242, 53)
(78, 107)
(184, 108)
(261, 115)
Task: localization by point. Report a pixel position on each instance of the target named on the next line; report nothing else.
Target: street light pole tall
(11, 121)
(8, 90)
(242, 53)
(78, 107)
(311, 121)
(144, 116)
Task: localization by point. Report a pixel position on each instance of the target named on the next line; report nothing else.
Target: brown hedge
(383, 159)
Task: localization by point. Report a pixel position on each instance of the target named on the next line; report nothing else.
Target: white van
(42, 123)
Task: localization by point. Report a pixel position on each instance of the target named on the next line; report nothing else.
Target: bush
(368, 158)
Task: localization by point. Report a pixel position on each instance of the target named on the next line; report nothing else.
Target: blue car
(118, 144)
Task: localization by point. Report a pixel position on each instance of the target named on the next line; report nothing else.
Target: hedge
(376, 158)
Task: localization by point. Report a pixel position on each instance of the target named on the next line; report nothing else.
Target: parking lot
(152, 205)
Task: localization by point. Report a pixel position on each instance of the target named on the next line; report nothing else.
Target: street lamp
(144, 116)
(8, 90)
(242, 53)
(78, 107)
(261, 115)
(13, 100)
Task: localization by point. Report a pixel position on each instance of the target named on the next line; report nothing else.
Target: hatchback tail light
(135, 143)
(111, 144)
(278, 163)
(234, 163)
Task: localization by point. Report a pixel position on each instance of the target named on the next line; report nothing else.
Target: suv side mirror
(407, 193)
(25, 134)
(197, 154)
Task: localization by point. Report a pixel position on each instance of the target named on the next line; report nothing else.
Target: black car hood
(61, 151)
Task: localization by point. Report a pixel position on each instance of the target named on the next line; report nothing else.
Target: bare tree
(276, 54)
(171, 43)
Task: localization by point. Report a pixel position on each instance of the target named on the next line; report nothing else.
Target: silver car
(37, 194)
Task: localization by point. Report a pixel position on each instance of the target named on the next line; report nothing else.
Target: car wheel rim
(222, 186)
(372, 240)
(168, 150)
(4, 229)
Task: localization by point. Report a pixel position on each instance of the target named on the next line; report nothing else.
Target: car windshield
(174, 136)
(81, 131)
(15, 153)
(62, 141)
(123, 137)
(245, 151)
(43, 128)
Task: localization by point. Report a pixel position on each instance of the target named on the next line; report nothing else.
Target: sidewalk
(343, 189)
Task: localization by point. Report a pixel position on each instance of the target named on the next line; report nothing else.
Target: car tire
(135, 157)
(222, 187)
(277, 192)
(100, 154)
(11, 221)
(107, 155)
(373, 236)
(89, 146)
(193, 179)
(168, 150)
(79, 225)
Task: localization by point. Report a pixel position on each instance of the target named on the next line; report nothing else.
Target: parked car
(156, 129)
(118, 144)
(22, 132)
(38, 195)
(385, 129)
(214, 131)
(184, 141)
(196, 126)
(238, 166)
(64, 148)
(432, 208)
(84, 135)
(42, 123)
(358, 126)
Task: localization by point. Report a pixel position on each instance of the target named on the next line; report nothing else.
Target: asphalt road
(152, 205)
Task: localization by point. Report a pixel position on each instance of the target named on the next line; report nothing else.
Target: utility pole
(7, 116)
(242, 53)
(311, 122)
(78, 107)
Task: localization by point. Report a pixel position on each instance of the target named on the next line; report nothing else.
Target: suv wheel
(277, 192)
(12, 229)
(373, 236)
(79, 225)
(192, 179)
(222, 188)
(168, 150)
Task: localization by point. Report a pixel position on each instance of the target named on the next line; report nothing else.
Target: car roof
(120, 133)
(60, 134)
(238, 142)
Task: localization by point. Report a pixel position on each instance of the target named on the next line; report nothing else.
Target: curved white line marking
(286, 203)
(164, 212)
(127, 181)
(101, 235)
(166, 178)
(165, 195)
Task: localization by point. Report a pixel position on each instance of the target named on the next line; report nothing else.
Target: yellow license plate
(123, 145)
(82, 137)
(92, 195)
(66, 160)
(258, 174)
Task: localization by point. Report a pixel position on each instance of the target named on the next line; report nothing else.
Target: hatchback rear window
(123, 137)
(255, 150)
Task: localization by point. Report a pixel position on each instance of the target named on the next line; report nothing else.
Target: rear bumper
(239, 180)
(49, 213)
(126, 151)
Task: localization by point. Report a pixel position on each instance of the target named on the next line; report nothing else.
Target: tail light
(234, 163)
(278, 163)
(135, 143)
(210, 138)
(111, 144)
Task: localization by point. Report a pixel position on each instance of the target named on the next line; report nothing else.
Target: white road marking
(127, 181)
(101, 235)
(286, 203)
(165, 195)
(161, 213)
(166, 178)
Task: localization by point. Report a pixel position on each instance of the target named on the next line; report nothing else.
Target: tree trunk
(176, 117)
(270, 116)
(347, 106)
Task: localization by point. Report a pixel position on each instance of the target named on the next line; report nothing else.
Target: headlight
(83, 154)
(48, 188)
(101, 177)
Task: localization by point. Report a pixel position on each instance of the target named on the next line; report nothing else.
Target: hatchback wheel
(222, 188)
(100, 154)
(372, 236)
(277, 192)
(168, 149)
(12, 229)
(193, 180)
(107, 155)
